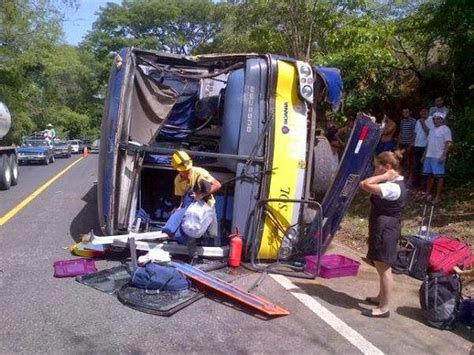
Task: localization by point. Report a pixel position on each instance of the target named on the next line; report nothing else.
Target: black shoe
(368, 313)
(371, 300)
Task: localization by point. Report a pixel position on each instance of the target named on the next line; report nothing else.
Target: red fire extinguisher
(235, 249)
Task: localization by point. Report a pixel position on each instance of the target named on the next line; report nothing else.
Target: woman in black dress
(388, 195)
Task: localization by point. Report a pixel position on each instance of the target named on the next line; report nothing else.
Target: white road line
(327, 316)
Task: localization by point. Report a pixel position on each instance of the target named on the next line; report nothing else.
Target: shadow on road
(86, 220)
(417, 314)
(336, 298)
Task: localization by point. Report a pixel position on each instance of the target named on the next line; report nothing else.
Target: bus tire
(323, 170)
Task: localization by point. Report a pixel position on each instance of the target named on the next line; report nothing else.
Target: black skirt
(384, 232)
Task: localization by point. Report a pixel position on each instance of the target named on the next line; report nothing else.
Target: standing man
(436, 153)
(439, 107)
(343, 134)
(422, 128)
(49, 133)
(202, 186)
(405, 140)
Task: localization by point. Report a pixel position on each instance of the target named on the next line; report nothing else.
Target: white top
(390, 190)
(436, 141)
(421, 138)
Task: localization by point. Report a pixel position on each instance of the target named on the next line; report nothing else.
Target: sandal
(372, 300)
(369, 313)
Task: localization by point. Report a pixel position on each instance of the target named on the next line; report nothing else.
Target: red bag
(448, 253)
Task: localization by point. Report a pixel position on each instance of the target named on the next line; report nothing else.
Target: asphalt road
(42, 314)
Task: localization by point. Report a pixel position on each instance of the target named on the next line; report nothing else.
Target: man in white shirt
(50, 132)
(422, 128)
(439, 107)
(439, 142)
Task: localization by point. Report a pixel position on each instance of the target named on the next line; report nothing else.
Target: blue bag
(160, 277)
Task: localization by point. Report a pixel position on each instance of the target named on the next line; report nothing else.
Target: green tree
(28, 31)
(174, 26)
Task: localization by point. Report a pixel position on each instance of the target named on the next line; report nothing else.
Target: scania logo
(285, 129)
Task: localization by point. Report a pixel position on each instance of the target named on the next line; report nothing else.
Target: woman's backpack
(440, 296)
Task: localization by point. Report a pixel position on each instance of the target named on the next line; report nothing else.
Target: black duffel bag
(440, 297)
(413, 257)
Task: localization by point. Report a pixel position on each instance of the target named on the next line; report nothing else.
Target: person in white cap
(50, 133)
(434, 160)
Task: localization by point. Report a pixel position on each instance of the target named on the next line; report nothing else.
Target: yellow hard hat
(181, 161)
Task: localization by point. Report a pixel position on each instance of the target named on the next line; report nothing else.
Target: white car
(75, 146)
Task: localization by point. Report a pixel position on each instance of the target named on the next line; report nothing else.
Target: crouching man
(200, 217)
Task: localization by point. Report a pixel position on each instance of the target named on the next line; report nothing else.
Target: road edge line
(365, 346)
(10, 214)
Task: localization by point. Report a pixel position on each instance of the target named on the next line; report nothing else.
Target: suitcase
(424, 231)
(413, 257)
(449, 252)
(414, 251)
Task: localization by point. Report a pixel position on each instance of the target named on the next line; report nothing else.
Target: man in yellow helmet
(202, 186)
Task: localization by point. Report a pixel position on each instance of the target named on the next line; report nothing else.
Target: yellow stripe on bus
(289, 160)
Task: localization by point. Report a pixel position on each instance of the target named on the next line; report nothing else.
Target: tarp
(334, 88)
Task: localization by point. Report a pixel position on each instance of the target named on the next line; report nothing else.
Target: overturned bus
(251, 121)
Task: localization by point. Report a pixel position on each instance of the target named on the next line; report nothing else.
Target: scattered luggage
(466, 311)
(428, 252)
(448, 253)
(440, 297)
(74, 267)
(332, 265)
(413, 257)
(158, 277)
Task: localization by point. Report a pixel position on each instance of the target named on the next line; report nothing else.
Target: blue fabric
(182, 113)
(158, 159)
(384, 147)
(163, 159)
(145, 217)
(181, 116)
(173, 225)
(174, 222)
(159, 277)
(333, 80)
(433, 166)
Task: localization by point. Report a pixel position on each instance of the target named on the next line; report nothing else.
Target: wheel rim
(7, 174)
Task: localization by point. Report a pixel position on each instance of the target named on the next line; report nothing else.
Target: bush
(460, 161)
